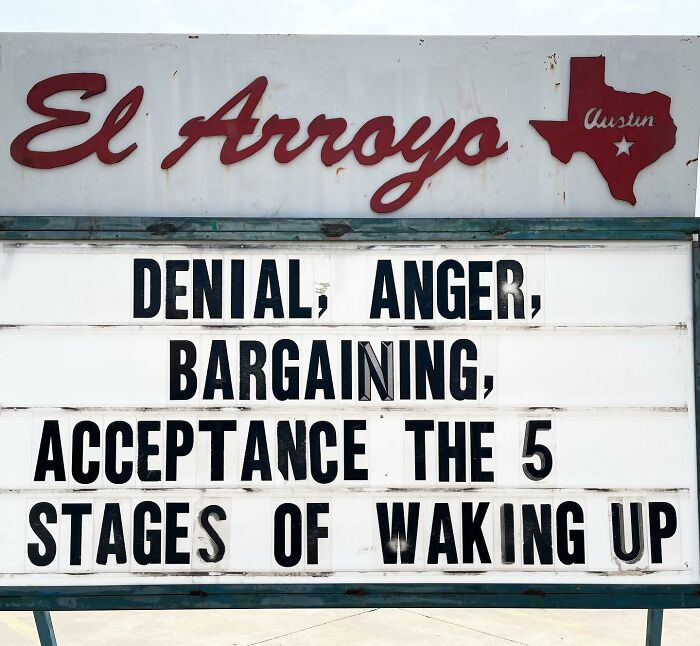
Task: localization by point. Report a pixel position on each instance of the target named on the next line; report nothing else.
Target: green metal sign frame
(389, 595)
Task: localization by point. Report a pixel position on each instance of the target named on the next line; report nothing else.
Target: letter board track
(484, 412)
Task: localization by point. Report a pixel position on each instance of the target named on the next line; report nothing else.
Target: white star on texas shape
(623, 147)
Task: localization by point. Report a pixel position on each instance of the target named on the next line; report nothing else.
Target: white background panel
(357, 78)
(353, 546)
(620, 450)
(584, 284)
(609, 363)
(536, 368)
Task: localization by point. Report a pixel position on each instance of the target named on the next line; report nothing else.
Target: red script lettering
(434, 151)
(91, 84)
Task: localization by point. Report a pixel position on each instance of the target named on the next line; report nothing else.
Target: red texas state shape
(622, 132)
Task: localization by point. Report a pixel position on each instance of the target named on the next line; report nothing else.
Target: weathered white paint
(608, 360)
(514, 79)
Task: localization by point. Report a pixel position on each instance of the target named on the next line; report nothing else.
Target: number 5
(531, 449)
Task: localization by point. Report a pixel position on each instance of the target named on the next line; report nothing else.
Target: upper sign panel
(314, 126)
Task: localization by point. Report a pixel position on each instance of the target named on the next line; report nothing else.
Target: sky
(355, 16)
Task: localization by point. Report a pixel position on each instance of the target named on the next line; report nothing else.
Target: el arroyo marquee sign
(419, 406)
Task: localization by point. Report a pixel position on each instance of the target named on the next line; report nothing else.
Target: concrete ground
(353, 627)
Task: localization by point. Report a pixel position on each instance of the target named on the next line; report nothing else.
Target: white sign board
(348, 126)
(506, 412)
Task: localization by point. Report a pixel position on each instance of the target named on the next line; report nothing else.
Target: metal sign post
(44, 627)
(655, 619)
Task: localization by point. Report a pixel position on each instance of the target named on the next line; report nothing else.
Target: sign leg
(44, 627)
(655, 619)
